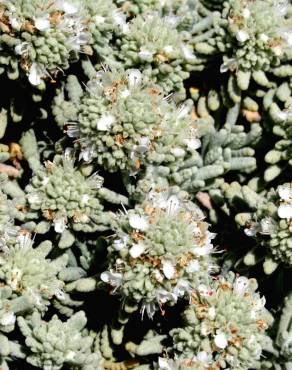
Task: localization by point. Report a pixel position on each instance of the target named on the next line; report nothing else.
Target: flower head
(224, 326)
(159, 260)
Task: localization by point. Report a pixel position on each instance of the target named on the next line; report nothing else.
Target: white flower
(242, 36)
(119, 20)
(138, 222)
(220, 340)
(192, 144)
(95, 180)
(240, 285)
(34, 198)
(168, 49)
(86, 153)
(157, 199)
(252, 229)
(168, 364)
(168, 269)
(67, 7)
(205, 329)
(202, 251)
(228, 65)
(15, 23)
(120, 244)
(21, 48)
(212, 313)
(281, 7)
(143, 146)
(73, 130)
(278, 51)
(264, 37)
(267, 226)
(258, 306)
(188, 53)
(7, 318)
(172, 205)
(178, 152)
(158, 276)
(164, 296)
(35, 74)
(69, 155)
(182, 287)
(112, 278)
(105, 122)
(144, 141)
(42, 23)
(134, 77)
(69, 356)
(259, 303)
(287, 36)
(24, 240)
(150, 309)
(145, 54)
(285, 211)
(60, 294)
(193, 266)
(59, 224)
(136, 250)
(79, 34)
(183, 112)
(246, 13)
(84, 199)
(285, 192)
(45, 180)
(204, 357)
(99, 19)
(163, 364)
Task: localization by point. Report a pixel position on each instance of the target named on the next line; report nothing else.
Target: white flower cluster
(27, 271)
(268, 225)
(60, 20)
(125, 122)
(161, 252)
(224, 326)
(262, 25)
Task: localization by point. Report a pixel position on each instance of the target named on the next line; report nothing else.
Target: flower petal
(285, 192)
(134, 77)
(192, 144)
(242, 36)
(112, 278)
(105, 123)
(285, 211)
(240, 285)
(138, 222)
(220, 341)
(42, 24)
(168, 269)
(35, 75)
(137, 250)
